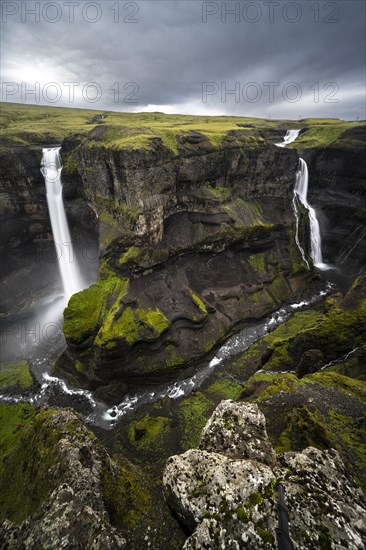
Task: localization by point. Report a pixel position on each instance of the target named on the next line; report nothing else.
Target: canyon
(197, 246)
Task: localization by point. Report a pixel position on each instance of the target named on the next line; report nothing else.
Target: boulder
(225, 494)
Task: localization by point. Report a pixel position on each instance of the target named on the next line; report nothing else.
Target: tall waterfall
(300, 194)
(69, 271)
(301, 191)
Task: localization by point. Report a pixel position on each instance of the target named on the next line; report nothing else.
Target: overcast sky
(279, 59)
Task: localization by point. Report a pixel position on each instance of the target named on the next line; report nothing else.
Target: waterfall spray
(69, 271)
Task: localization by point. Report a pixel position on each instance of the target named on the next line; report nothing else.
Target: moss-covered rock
(63, 487)
(27, 470)
(195, 230)
(16, 377)
(89, 308)
(14, 418)
(193, 414)
(150, 434)
(324, 410)
(125, 493)
(312, 338)
(131, 325)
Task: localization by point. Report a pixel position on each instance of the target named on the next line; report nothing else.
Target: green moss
(131, 325)
(149, 433)
(221, 193)
(209, 345)
(325, 541)
(256, 262)
(125, 494)
(267, 385)
(305, 428)
(131, 254)
(197, 300)
(14, 418)
(15, 376)
(70, 163)
(173, 358)
(254, 500)
(26, 469)
(116, 217)
(353, 366)
(193, 414)
(225, 389)
(342, 383)
(244, 212)
(79, 367)
(242, 514)
(335, 331)
(348, 436)
(307, 425)
(266, 536)
(105, 270)
(234, 233)
(86, 309)
(279, 287)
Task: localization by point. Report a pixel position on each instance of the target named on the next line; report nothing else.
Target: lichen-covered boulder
(238, 432)
(228, 501)
(219, 485)
(323, 500)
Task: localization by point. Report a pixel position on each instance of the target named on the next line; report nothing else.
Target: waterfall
(301, 191)
(290, 136)
(301, 194)
(69, 271)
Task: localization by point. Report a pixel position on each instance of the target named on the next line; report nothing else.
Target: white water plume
(69, 271)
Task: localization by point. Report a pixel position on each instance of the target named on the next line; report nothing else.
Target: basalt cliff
(195, 240)
(193, 245)
(195, 233)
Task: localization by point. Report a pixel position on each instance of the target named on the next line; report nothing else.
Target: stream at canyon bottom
(45, 341)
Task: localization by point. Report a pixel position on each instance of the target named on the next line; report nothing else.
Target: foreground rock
(225, 493)
(58, 474)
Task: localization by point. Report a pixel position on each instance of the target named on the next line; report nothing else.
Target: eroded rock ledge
(224, 492)
(194, 246)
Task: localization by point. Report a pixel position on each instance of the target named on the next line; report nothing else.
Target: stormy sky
(271, 58)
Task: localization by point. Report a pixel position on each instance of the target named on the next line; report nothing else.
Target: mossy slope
(16, 377)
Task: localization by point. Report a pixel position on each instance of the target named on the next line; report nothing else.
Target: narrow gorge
(173, 263)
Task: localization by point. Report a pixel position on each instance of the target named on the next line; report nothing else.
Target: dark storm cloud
(169, 52)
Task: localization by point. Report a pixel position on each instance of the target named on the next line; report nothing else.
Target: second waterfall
(301, 194)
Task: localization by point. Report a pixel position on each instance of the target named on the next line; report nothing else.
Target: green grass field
(38, 125)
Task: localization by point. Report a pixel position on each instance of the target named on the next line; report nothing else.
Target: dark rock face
(197, 244)
(156, 183)
(25, 227)
(337, 188)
